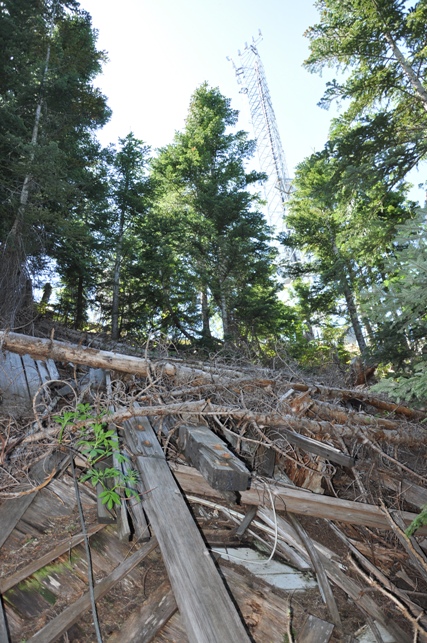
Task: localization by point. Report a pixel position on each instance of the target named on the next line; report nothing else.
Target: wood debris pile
(325, 478)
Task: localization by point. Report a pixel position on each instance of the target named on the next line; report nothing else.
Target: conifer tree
(224, 249)
(48, 110)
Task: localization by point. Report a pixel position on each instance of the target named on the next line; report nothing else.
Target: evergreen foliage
(49, 110)
(215, 237)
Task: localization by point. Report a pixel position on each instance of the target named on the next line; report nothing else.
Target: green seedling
(96, 442)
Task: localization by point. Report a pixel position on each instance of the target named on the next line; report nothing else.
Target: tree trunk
(206, 331)
(115, 330)
(224, 315)
(349, 297)
(15, 281)
(80, 304)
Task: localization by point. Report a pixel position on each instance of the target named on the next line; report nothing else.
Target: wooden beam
(61, 623)
(203, 601)
(211, 456)
(297, 501)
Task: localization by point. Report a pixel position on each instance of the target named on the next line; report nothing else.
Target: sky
(160, 51)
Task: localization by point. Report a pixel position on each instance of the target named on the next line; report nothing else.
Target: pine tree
(224, 249)
(49, 109)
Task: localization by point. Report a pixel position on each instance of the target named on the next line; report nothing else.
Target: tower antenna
(251, 77)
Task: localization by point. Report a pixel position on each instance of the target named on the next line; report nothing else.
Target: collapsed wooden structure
(258, 447)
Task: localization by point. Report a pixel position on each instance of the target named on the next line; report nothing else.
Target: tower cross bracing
(251, 76)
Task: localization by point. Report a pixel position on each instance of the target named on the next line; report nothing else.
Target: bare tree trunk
(115, 330)
(206, 331)
(224, 315)
(80, 304)
(354, 318)
(349, 298)
(15, 281)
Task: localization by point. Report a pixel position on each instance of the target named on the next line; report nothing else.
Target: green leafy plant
(96, 442)
(418, 522)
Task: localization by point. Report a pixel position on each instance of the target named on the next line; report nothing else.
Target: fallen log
(40, 348)
(409, 435)
(361, 396)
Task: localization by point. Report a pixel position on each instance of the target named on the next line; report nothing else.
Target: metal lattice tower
(251, 76)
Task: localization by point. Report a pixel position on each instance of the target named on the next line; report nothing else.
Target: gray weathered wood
(315, 631)
(322, 578)
(35, 565)
(408, 490)
(139, 519)
(60, 624)
(250, 515)
(211, 456)
(52, 369)
(299, 501)
(12, 376)
(203, 601)
(319, 448)
(11, 511)
(43, 371)
(4, 631)
(32, 374)
(144, 623)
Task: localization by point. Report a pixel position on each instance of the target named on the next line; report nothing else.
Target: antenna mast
(251, 76)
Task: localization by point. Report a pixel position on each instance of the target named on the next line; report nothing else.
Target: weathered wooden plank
(298, 501)
(250, 515)
(13, 376)
(11, 511)
(52, 369)
(144, 623)
(211, 456)
(71, 614)
(139, 519)
(203, 601)
(319, 448)
(43, 371)
(409, 491)
(4, 630)
(315, 631)
(173, 631)
(32, 374)
(34, 566)
(263, 611)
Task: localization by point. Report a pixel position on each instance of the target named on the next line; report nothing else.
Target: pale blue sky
(161, 50)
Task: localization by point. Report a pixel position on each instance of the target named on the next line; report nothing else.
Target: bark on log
(410, 434)
(40, 348)
(362, 396)
(44, 349)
